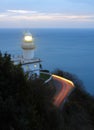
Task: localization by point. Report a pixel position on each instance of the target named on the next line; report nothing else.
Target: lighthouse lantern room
(28, 46)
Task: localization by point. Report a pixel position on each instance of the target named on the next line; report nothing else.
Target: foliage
(26, 104)
(78, 110)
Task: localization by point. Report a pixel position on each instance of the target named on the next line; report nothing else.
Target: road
(64, 87)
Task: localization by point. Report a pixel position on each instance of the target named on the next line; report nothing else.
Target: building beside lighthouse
(28, 61)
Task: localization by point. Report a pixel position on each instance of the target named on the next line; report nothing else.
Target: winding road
(64, 87)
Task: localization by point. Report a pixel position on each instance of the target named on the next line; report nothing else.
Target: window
(35, 65)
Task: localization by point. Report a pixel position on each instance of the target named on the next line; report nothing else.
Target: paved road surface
(64, 87)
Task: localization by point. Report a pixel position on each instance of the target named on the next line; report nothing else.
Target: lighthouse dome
(28, 42)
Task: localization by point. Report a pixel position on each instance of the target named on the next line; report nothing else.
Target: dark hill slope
(27, 104)
(78, 110)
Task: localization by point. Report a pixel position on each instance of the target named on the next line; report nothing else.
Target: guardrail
(46, 81)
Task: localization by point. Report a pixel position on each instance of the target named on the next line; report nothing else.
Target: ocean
(71, 50)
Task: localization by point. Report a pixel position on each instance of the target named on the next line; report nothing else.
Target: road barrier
(50, 76)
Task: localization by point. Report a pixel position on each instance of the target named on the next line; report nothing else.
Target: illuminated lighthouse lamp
(28, 38)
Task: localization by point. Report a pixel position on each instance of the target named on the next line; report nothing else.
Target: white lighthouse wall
(28, 54)
(33, 68)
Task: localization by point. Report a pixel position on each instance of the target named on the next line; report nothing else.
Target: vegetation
(26, 104)
(44, 76)
(78, 110)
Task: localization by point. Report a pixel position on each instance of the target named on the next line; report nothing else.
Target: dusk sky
(47, 13)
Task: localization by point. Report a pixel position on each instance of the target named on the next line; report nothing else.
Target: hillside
(27, 104)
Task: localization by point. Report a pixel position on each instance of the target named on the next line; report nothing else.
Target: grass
(44, 76)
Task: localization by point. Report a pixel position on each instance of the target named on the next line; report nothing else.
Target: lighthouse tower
(28, 61)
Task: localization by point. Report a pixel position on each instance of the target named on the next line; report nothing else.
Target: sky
(47, 13)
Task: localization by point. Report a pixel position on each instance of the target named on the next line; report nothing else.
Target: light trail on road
(66, 87)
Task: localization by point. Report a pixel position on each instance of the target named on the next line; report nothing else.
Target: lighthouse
(29, 63)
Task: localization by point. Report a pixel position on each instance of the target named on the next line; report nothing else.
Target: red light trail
(66, 87)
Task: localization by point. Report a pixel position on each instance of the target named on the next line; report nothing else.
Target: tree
(24, 103)
(27, 104)
(78, 110)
